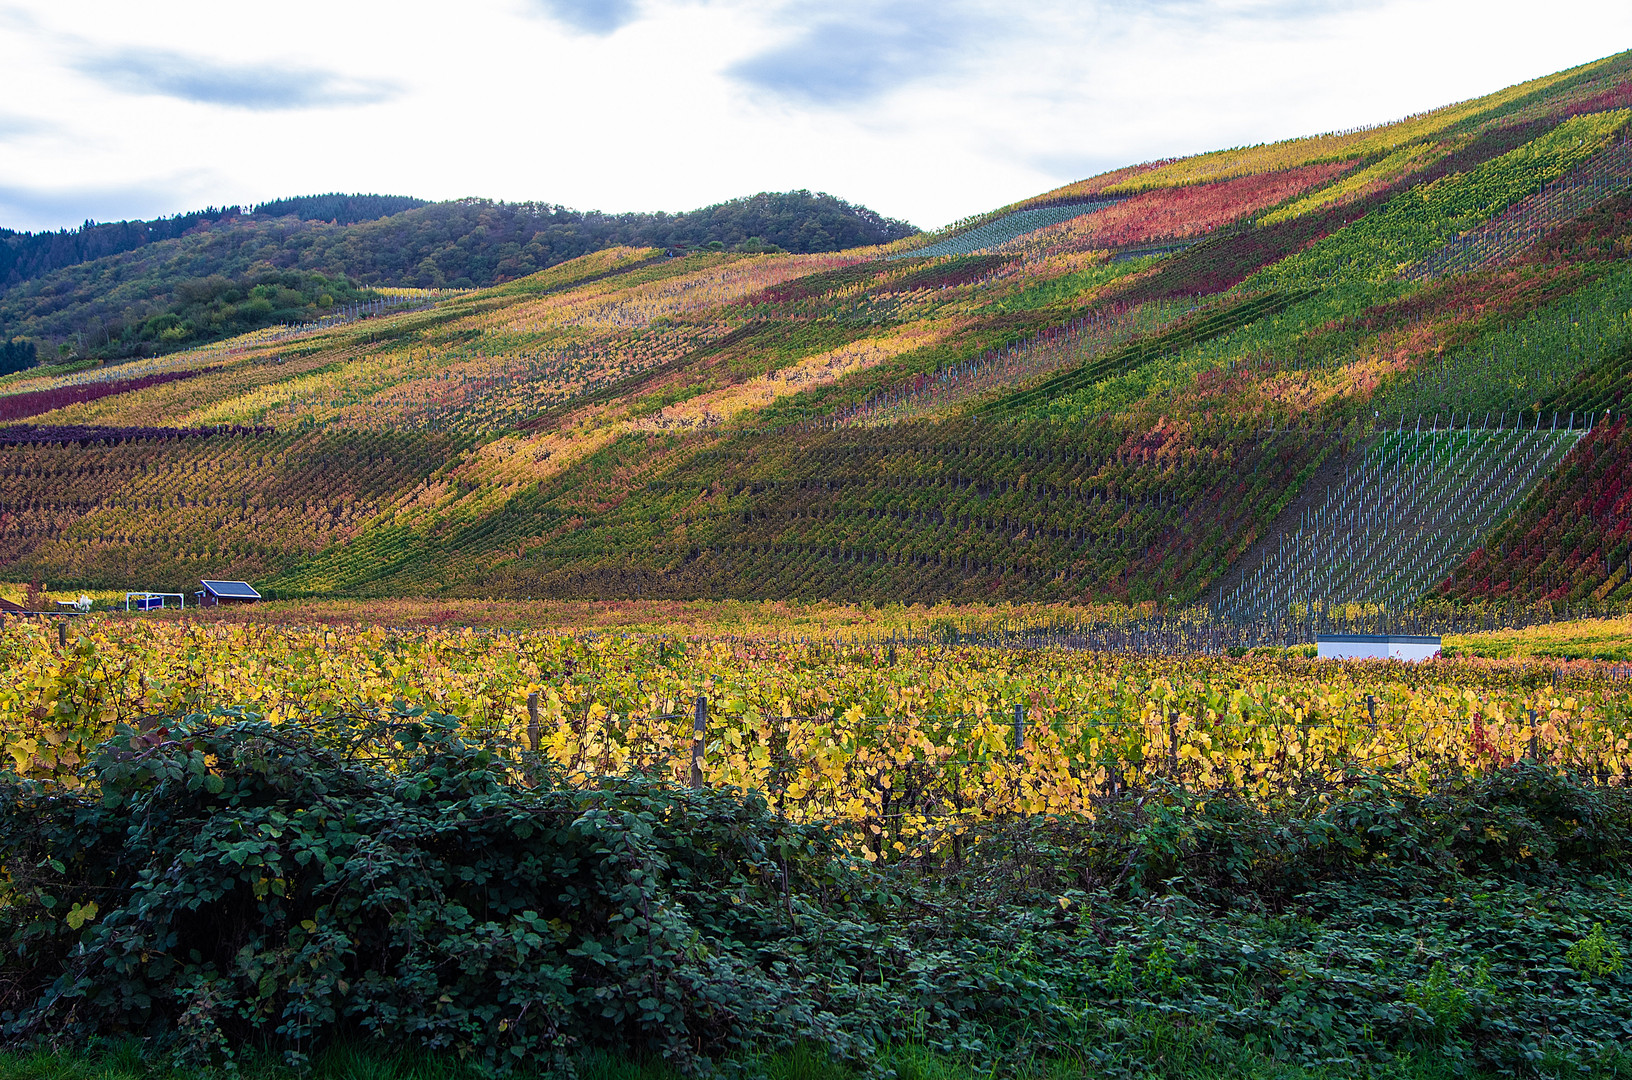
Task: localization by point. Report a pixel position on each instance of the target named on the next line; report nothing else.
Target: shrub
(1595, 955)
(223, 883)
(237, 882)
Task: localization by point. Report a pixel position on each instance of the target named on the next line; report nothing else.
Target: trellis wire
(1416, 503)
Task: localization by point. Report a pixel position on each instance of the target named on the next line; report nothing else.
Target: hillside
(112, 291)
(1116, 390)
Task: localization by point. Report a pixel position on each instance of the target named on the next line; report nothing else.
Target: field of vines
(1550, 96)
(971, 511)
(21, 406)
(152, 511)
(1415, 224)
(1073, 346)
(1233, 253)
(1369, 180)
(1570, 540)
(1501, 239)
(995, 234)
(1601, 234)
(1559, 357)
(1061, 395)
(1175, 213)
(892, 740)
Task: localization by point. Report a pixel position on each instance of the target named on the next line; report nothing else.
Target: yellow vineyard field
(889, 739)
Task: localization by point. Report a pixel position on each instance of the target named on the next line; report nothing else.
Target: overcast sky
(928, 110)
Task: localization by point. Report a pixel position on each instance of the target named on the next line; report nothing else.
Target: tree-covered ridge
(214, 307)
(148, 316)
(25, 255)
(339, 208)
(99, 304)
(16, 356)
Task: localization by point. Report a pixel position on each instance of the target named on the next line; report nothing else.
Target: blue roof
(231, 590)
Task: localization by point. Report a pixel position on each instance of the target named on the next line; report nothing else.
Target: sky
(925, 110)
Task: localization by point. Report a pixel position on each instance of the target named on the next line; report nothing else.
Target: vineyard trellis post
(699, 732)
(532, 721)
(1019, 727)
(1533, 756)
(1173, 742)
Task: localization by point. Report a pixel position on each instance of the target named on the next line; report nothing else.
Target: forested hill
(113, 290)
(338, 209)
(25, 255)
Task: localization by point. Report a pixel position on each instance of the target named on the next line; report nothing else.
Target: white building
(1405, 647)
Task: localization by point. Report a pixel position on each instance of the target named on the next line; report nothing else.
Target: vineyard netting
(1413, 505)
(1004, 229)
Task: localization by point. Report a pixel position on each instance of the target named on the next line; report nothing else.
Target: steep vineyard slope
(957, 510)
(1110, 391)
(140, 509)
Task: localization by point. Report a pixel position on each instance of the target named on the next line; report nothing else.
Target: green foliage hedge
(225, 883)
(288, 892)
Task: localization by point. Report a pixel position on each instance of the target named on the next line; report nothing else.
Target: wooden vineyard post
(532, 721)
(1019, 727)
(699, 731)
(1173, 742)
(1371, 708)
(1533, 756)
(62, 635)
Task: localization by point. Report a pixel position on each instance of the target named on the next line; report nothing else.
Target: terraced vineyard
(1533, 341)
(145, 510)
(969, 510)
(1107, 392)
(1055, 394)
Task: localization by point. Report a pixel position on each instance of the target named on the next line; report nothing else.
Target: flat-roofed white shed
(1408, 647)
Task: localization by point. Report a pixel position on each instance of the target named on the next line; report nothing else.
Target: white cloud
(255, 86)
(927, 111)
(591, 16)
(853, 52)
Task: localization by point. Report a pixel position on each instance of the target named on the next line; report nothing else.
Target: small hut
(216, 593)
